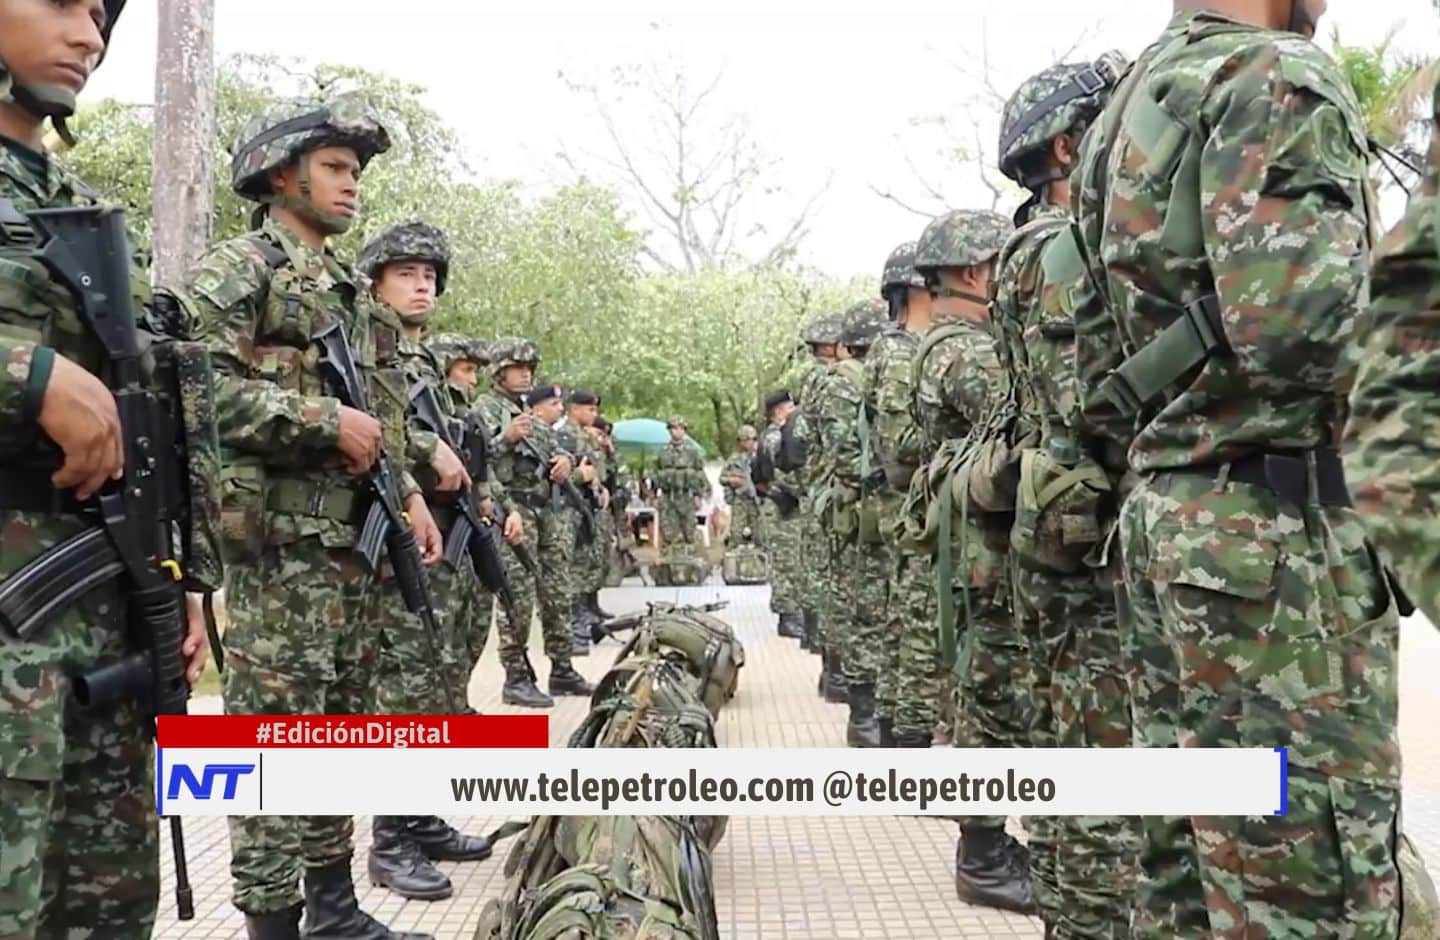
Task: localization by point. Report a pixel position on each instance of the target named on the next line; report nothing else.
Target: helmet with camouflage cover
(825, 329)
(286, 131)
(408, 241)
(961, 239)
(48, 100)
(746, 433)
(1061, 99)
(451, 348)
(864, 321)
(900, 269)
(512, 351)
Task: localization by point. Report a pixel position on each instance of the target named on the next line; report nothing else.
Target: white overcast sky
(827, 91)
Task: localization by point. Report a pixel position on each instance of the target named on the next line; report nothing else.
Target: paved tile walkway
(778, 878)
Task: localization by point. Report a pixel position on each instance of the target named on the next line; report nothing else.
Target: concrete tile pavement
(775, 878)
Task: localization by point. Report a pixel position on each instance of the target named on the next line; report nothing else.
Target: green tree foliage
(1393, 90)
(563, 269)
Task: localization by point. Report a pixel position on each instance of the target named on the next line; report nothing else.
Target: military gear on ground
(408, 241)
(1062, 99)
(706, 645)
(287, 132)
(745, 564)
(900, 270)
(55, 102)
(961, 239)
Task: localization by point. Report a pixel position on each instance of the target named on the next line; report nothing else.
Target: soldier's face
(973, 282)
(548, 410)
(825, 352)
(517, 378)
(747, 445)
(465, 374)
(677, 432)
(52, 42)
(584, 415)
(408, 286)
(781, 413)
(334, 181)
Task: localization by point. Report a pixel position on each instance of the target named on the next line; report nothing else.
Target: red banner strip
(371, 731)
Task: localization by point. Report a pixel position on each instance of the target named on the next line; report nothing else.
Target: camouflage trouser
(887, 668)
(549, 592)
(786, 578)
(417, 673)
(589, 559)
(862, 590)
(464, 609)
(79, 849)
(605, 548)
(304, 639)
(677, 521)
(1254, 622)
(815, 568)
(1082, 867)
(991, 699)
(745, 514)
(921, 680)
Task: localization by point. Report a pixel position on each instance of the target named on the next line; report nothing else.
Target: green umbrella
(644, 435)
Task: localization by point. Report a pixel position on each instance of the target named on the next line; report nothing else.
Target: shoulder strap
(937, 335)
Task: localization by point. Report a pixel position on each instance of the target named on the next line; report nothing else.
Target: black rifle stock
(386, 525)
(568, 490)
(471, 534)
(86, 249)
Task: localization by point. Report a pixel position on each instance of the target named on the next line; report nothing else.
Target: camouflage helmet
(1056, 101)
(900, 269)
(56, 102)
(408, 241)
(286, 130)
(451, 348)
(512, 351)
(746, 432)
(864, 321)
(824, 330)
(961, 239)
(676, 421)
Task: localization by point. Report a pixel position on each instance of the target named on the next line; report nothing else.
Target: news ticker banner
(281, 765)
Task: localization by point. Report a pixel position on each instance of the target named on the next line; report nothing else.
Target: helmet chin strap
(416, 319)
(304, 207)
(55, 102)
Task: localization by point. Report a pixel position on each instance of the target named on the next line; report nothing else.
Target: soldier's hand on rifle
(78, 413)
(197, 642)
(427, 533)
(449, 469)
(486, 507)
(586, 472)
(360, 440)
(561, 468)
(604, 499)
(514, 528)
(519, 429)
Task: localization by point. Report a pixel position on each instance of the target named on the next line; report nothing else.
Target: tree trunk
(184, 135)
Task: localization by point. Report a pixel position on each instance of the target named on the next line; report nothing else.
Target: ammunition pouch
(1062, 509)
(242, 510)
(320, 499)
(870, 522)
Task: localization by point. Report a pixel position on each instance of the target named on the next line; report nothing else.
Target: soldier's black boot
(580, 622)
(810, 631)
(989, 873)
(442, 842)
(520, 689)
(592, 601)
(397, 863)
(278, 925)
(913, 740)
(887, 731)
(863, 730)
(835, 690)
(564, 680)
(790, 626)
(332, 911)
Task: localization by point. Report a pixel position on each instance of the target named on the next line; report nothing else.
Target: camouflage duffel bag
(745, 564)
(679, 569)
(706, 645)
(636, 878)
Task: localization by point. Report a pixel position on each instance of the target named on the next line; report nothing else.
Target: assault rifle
(85, 249)
(471, 534)
(625, 622)
(567, 490)
(386, 525)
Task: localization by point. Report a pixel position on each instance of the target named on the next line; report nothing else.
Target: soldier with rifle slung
(311, 397)
(530, 472)
(104, 427)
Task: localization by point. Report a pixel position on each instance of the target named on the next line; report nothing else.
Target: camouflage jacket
(422, 365)
(14, 382)
(256, 313)
(887, 394)
(811, 390)
(789, 481)
(518, 468)
(581, 444)
(679, 470)
(839, 417)
(1231, 165)
(1392, 443)
(738, 468)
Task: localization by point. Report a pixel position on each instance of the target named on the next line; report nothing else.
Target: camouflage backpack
(679, 568)
(704, 645)
(605, 878)
(745, 564)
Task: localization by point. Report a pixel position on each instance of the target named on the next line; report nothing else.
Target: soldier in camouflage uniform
(957, 382)
(462, 359)
(309, 623)
(408, 266)
(1082, 868)
(527, 466)
(79, 847)
(779, 490)
(740, 494)
(680, 474)
(822, 335)
(1224, 209)
(857, 577)
(911, 679)
(588, 570)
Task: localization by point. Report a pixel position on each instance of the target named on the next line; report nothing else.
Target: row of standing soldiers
(1085, 488)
